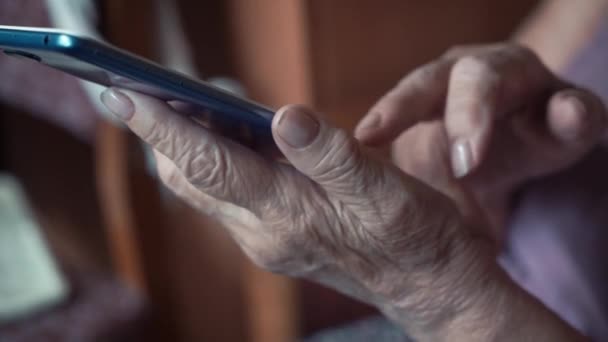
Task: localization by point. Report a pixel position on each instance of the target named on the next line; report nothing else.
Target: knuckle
(399, 209)
(200, 162)
(422, 228)
(167, 137)
(284, 253)
(474, 68)
(204, 165)
(290, 245)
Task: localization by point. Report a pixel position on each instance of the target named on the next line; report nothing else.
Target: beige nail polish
(462, 158)
(118, 103)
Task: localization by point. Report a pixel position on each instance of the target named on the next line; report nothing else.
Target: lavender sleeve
(557, 247)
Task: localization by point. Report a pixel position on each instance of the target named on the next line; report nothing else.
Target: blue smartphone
(102, 63)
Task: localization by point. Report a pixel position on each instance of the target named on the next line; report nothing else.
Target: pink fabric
(39, 90)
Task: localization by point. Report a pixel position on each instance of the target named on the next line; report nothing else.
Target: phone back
(98, 62)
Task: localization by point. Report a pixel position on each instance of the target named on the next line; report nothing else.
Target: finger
(214, 165)
(483, 89)
(551, 135)
(328, 156)
(173, 178)
(473, 92)
(420, 96)
(576, 118)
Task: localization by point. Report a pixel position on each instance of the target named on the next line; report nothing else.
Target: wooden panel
(189, 267)
(113, 188)
(129, 197)
(206, 276)
(271, 49)
(207, 30)
(361, 48)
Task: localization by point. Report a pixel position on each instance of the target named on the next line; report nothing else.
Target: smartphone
(99, 62)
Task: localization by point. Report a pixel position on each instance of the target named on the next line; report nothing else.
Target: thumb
(576, 118)
(327, 155)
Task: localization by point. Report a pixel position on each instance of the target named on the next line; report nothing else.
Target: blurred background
(113, 255)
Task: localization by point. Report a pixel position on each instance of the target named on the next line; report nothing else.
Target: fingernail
(462, 158)
(576, 105)
(572, 123)
(297, 128)
(118, 103)
(369, 122)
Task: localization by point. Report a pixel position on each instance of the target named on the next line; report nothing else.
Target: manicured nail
(297, 128)
(118, 103)
(462, 158)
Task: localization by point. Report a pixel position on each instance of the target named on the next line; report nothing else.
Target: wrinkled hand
(481, 120)
(335, 215)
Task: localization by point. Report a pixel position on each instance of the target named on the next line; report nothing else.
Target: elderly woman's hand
(336, 215)
(482, 120)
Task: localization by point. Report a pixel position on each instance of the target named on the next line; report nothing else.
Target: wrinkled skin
(520, 122)
(338, 215)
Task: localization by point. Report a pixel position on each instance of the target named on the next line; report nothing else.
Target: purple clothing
(558, 243)
(590, 67)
